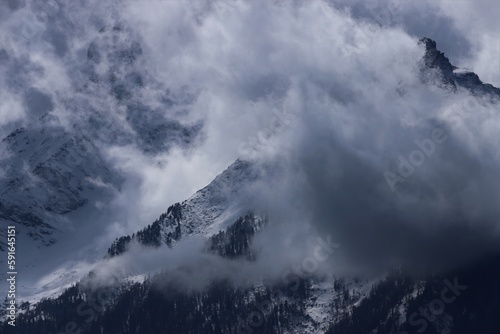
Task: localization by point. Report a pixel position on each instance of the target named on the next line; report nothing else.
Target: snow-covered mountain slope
(50, 172)
(57, 179)
(211, 214)
(316, 303)
(52, 163)
(207, 212)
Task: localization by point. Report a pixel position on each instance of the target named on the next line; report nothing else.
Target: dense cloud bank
(330, 93)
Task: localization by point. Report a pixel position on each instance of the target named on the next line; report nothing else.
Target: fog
(324, 96)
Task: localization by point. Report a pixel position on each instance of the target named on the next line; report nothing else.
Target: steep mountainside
(205, 213)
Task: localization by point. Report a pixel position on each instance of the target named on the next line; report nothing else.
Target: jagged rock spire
(450, 76)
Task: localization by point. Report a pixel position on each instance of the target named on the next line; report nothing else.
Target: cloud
(464, 30)
(346, 76)
(284, 255)
(356, 117)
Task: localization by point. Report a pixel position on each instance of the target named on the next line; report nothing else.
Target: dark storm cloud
(442, 215)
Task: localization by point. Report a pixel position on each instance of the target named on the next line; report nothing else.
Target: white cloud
(349, 75)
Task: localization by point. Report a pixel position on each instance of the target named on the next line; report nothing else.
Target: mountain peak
(429, 43)
(450, 76)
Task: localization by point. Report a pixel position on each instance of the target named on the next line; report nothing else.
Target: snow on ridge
(461, 71)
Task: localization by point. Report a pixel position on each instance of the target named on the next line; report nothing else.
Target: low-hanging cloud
(228, 70)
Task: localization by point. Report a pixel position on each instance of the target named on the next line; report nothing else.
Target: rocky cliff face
(450, 76)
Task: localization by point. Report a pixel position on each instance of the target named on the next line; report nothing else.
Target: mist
(324, 96)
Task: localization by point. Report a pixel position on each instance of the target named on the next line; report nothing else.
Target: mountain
(460, 301)
(55, 164)
(57, 178)
(207, 212)
(44, 177)
(218, 216)
(152, 302)
(155, 303)
(54, 168)
(450, 76)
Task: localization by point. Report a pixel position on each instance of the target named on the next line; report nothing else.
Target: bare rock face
(449, 76)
